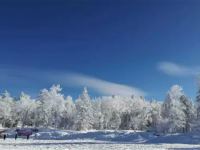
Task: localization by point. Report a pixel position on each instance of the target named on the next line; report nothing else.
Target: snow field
(23, 144)
(51, 139)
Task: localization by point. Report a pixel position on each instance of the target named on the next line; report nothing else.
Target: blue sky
(126, 45)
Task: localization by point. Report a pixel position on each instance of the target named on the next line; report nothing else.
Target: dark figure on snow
(15, 136)
(4, 136)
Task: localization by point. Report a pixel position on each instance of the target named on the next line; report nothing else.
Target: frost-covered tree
(113, 108)
(189, 111)
(84, 118)
(7, 110)
(115, 121)
(50, 106)
(106, 108)
(172, 109)
(97, 114)
(139, 114)
(68, 114)
(133, 112)
(155, 114)
(52, 109)
(198, 101)
(196, 124)
(25, 110)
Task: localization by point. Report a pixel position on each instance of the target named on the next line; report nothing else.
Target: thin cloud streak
(174, 69)
(68, 79)
(101, 86)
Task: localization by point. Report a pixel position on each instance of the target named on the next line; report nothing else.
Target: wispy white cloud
(28, 77)
(174, 69)
(101, 86)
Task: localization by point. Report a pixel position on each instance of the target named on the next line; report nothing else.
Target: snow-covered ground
(100, 140)
(23, 144)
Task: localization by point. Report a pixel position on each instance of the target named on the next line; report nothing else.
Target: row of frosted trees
(51, 108)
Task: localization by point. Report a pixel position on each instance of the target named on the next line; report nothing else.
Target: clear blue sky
(117, 41)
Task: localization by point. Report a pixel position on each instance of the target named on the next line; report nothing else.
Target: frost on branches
(84, 112)
(177, 110)
(52, 109)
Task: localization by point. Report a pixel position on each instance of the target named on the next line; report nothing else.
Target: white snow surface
(52, 139)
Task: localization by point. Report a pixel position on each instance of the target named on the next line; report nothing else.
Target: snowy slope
(109, 139)
(112, 136)
(106, 136)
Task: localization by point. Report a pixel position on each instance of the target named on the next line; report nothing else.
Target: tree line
(177, 113)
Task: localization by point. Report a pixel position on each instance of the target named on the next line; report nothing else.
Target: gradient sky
(122, 42)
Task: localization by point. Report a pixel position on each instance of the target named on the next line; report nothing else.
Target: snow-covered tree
(133, 111)
(25, 110)
(172, 109)
(7, 110)
(155, 114)
(68, 114)
(50, 106)
(198, 100)
(51, 109)
(97, 114)
(84, 119)
(113, 105)
(106, 108)
(189, 111)
(115, 121)
(139, 113)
